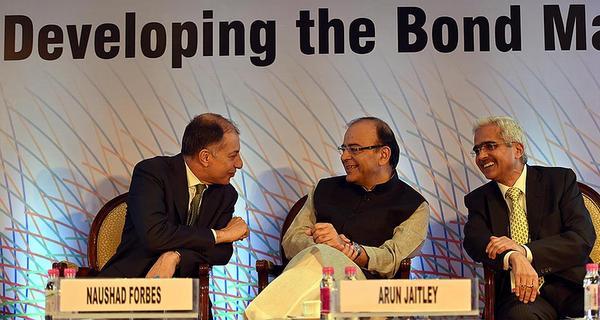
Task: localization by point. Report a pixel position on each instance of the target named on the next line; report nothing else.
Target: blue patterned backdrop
(72, 130)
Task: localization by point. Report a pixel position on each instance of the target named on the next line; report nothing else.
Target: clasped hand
(499, 245)
(165, 266)
(236, 229)
(325, 233)
(525, 276)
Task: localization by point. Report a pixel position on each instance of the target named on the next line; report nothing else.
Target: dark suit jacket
(560, 228)
(155, 223)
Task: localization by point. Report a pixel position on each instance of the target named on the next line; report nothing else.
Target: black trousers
(558, 298)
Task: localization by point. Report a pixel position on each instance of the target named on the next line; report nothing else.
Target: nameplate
(422, 295)
(125, 294)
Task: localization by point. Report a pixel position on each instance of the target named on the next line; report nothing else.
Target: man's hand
(348, 248)
(498, 245)
(325, 233)
(526, 279)
(236, 229)
(346, 240)
(165, 266)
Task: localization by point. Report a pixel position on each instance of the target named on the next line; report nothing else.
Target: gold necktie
(195, 205)
(519, 228)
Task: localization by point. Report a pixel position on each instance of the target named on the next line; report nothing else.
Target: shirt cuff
(506, 265)
(528, 253)
(214, 234)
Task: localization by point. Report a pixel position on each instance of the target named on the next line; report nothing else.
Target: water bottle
(51, 293)
(350, 272)
(70, 273)
(590, 291)
(328, 293)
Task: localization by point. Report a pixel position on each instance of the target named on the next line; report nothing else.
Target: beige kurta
(385, 259)
(301, 279)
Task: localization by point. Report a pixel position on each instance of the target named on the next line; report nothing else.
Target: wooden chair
(266, 268)
(105, 232)
(105, 237)
(591, 200)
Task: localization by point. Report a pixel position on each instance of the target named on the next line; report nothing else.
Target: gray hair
(510, 130)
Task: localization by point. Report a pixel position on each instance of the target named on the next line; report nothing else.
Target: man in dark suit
(529, 223)
(179, 209)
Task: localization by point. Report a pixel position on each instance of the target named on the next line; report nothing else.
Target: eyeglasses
(357, 149)
(487, 146)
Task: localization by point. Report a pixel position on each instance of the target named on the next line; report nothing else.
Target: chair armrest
(203, 299)
(83, 272)
(264, 268)
(490, 293)
(404, 269)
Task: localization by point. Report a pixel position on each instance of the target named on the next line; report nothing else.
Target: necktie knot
(513, 194)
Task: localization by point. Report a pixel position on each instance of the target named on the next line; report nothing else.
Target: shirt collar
(519, 184)
(382, 187)
(192, 180)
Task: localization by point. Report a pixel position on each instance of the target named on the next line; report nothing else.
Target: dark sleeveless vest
(366, 217)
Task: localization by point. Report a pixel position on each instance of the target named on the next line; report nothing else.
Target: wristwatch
(357, 248)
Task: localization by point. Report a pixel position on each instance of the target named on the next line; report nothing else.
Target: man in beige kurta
(369, 155)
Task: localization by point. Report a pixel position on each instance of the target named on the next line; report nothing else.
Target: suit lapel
(180, 186)
(535, 199)
(498, 211)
